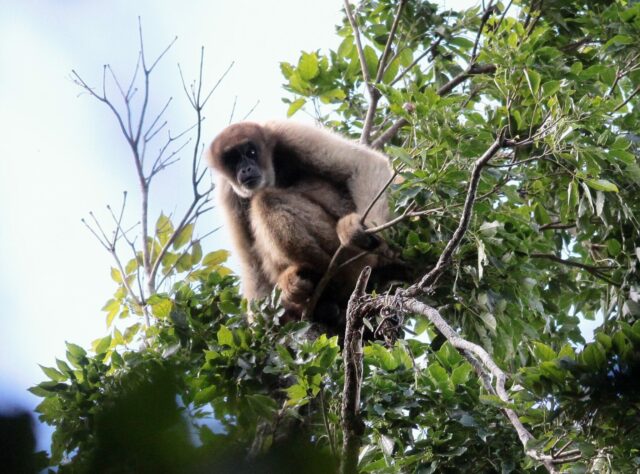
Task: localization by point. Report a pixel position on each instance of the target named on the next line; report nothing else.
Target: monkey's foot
(296, 285)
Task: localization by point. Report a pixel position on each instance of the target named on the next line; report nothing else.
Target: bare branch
(407, 213)
(377, 197)
(325, 420)
(382, 63)
(594, 270)
(472, 70)
(391, 132)
(430, 50)
(628, 99)
(356, 35)
(148, 135)
(251, 110)
(488, 11)
(492, 368)
(430, 278)
(374, 93)
(557, 225)
(104, 243)
(233, 109)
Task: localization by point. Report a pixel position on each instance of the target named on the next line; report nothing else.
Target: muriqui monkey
(292, 194)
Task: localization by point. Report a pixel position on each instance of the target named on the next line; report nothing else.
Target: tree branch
(489, 366)
(352, 424)
(430, 278)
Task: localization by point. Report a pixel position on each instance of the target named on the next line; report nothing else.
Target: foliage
(553, 241)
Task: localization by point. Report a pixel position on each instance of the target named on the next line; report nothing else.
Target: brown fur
(312, 189)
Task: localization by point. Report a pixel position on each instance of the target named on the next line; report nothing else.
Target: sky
(62, 156)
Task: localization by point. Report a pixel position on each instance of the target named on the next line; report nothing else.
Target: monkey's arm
(254, 283)
(365, 171)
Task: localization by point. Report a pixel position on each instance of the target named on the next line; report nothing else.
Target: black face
(243, 162)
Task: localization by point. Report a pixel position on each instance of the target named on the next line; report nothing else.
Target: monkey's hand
(296, 284)
(352, 234)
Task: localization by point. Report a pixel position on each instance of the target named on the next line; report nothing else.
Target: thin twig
(626, 101)
(325, 420)
(596, 271)
(483, 21)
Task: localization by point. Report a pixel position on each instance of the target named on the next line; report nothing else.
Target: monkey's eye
(251, 151)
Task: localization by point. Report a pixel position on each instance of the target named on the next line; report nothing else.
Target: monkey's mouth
(252, 183)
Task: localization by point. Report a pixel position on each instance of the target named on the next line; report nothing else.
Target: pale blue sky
(61, 154)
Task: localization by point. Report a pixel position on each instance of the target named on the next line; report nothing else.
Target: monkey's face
(243, 156)
(245, 163)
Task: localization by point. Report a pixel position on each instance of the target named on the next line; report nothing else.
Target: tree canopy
(514, 129)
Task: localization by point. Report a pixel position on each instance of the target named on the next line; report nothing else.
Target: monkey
(291, 195)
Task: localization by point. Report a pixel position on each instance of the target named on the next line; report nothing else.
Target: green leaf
(381, 357)
(53, 374)
(623, 155)
(619, 40)
(286, 69)
(346, 47)
(438, 373)
(116, 275)
(75, 350)
(533, 79)
(543, 352)
(550, 88)
(328, 356)
(295, 106)
(228, 307)
(262, 405)
(196, 252)
(461, 41)
(460, 374)
(215, 258)
(101, 345)
(540, 214)
(184, 237)
(332, 96)
(64, 367)
(164, 229)
(308, 66)
(132, 266)
(162, 307)
(371, 59)
(205, 395)
(593, 357)
(601, 185)
(614, 247)
(296, 394)
(225, 336)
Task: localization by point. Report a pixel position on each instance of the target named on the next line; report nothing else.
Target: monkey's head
(242, 154)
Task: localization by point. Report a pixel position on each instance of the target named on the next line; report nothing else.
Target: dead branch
(352, 424)
(139, 134)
